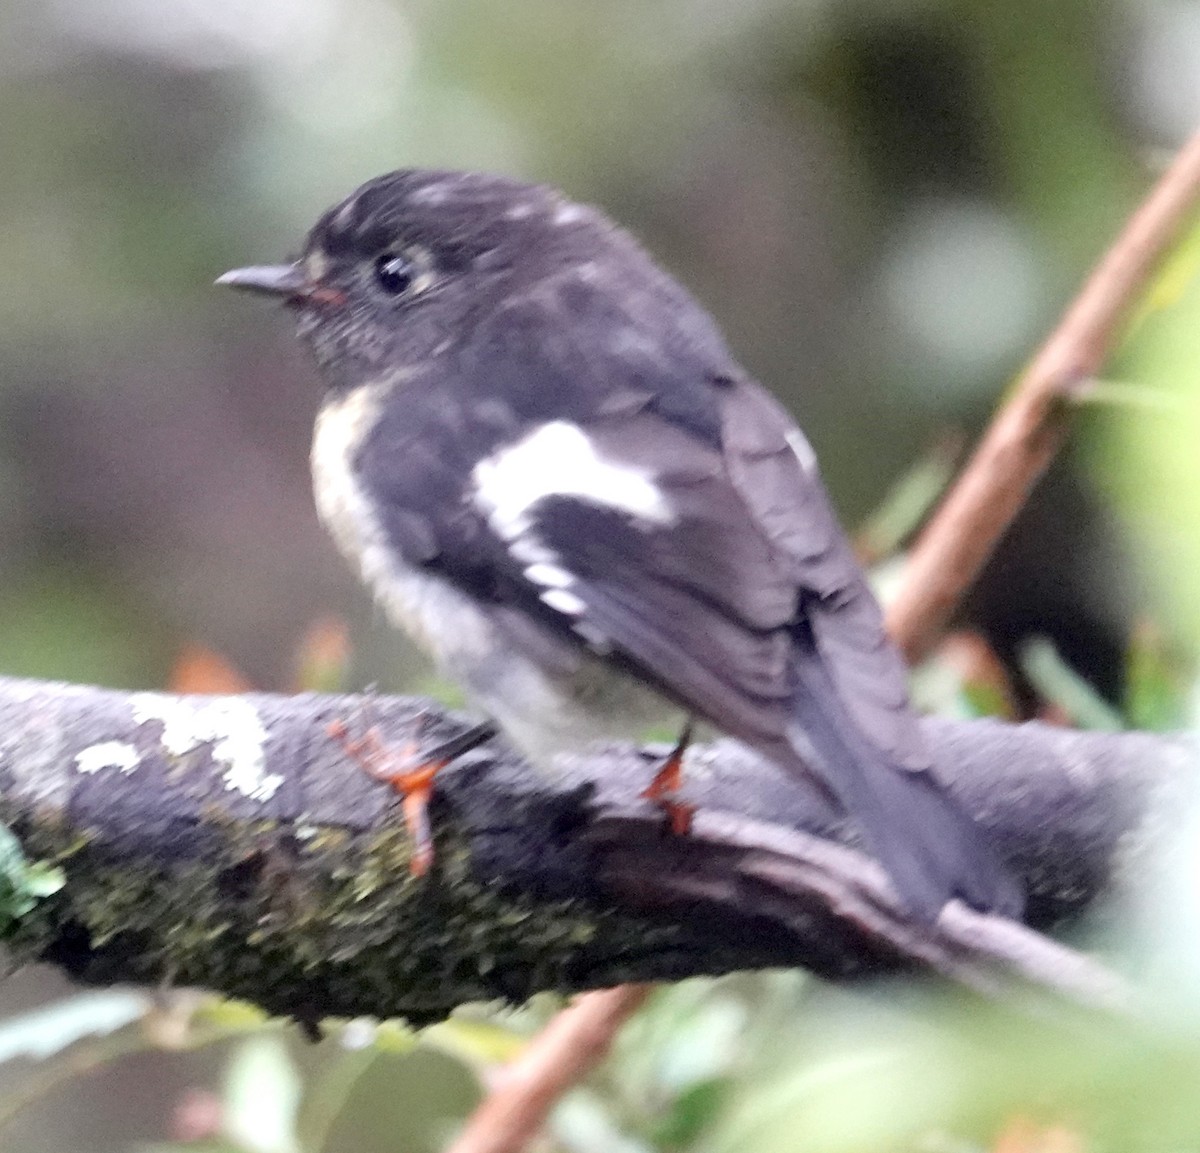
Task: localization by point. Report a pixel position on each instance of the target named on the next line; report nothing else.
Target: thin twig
(569, 1048)
(1028, 430)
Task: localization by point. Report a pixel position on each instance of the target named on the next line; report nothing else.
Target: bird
(538, 451)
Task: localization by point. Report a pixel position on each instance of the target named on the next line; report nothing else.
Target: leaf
(44, 1032)
(1021, 1135)
(1130, 397)
(908, 500)
(200, 670)
(584, 1123)
(479, 1043)
(1156, 696)
(952, 1074)
(1061, 686)
(1175, 277)
(262, 1097)
(226, 1016)
(323, 657)
(690, 1114)
(983, 679)
(22, 883)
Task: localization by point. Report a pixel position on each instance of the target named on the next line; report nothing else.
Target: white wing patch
(549, 575)
(558, 459)
(564, 601)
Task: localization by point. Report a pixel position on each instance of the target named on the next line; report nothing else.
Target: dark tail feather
(930, 847)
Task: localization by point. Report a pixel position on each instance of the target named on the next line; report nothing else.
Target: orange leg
(411, 774)
(667, 783)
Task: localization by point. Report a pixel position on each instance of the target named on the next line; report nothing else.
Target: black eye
(395, 273)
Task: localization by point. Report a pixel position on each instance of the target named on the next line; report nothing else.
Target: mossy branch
(231, 843)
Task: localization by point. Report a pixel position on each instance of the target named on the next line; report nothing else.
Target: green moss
(320, 925)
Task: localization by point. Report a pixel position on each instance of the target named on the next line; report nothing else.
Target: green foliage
(61, 623)
(23, 883)
(1149, 460)
(1059, 685)
(908, 501)
(1159, 683)
(846, 1077)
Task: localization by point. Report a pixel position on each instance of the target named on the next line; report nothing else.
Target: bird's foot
(410, 770)
(668, 781)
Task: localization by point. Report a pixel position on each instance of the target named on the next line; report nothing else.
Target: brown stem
(1029, 428)
(560, 1056)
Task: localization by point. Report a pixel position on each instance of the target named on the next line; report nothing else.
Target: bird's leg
(411, 772)
(667, 783)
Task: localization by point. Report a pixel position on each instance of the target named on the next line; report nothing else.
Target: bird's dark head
(405, 266)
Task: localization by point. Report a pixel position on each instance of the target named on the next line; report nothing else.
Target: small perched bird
(539, 452)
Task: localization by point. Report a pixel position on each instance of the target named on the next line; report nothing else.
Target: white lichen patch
(119, 755)
(230, 725)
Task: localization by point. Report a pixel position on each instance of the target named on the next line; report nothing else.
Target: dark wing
(698, 603)
(774, 471)
(748, 607)
(704, 602)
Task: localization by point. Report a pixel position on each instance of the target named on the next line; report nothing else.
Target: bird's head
(401, 269)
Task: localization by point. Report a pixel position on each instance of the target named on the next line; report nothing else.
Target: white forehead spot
(569, 213)
(558, 459)
(521, 211)
(802, 449)
(316, 264)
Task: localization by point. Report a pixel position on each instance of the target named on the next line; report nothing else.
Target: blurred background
(885, 203)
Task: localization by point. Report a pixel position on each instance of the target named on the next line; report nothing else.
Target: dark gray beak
(270, 279)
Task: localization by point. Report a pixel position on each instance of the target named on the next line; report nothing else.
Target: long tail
(931, 848)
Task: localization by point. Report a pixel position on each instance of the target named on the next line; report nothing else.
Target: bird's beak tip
(269, 279)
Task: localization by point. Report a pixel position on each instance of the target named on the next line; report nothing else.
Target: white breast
(438, 617)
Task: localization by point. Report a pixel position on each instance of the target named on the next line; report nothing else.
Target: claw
(411, 774)
(667, 783)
